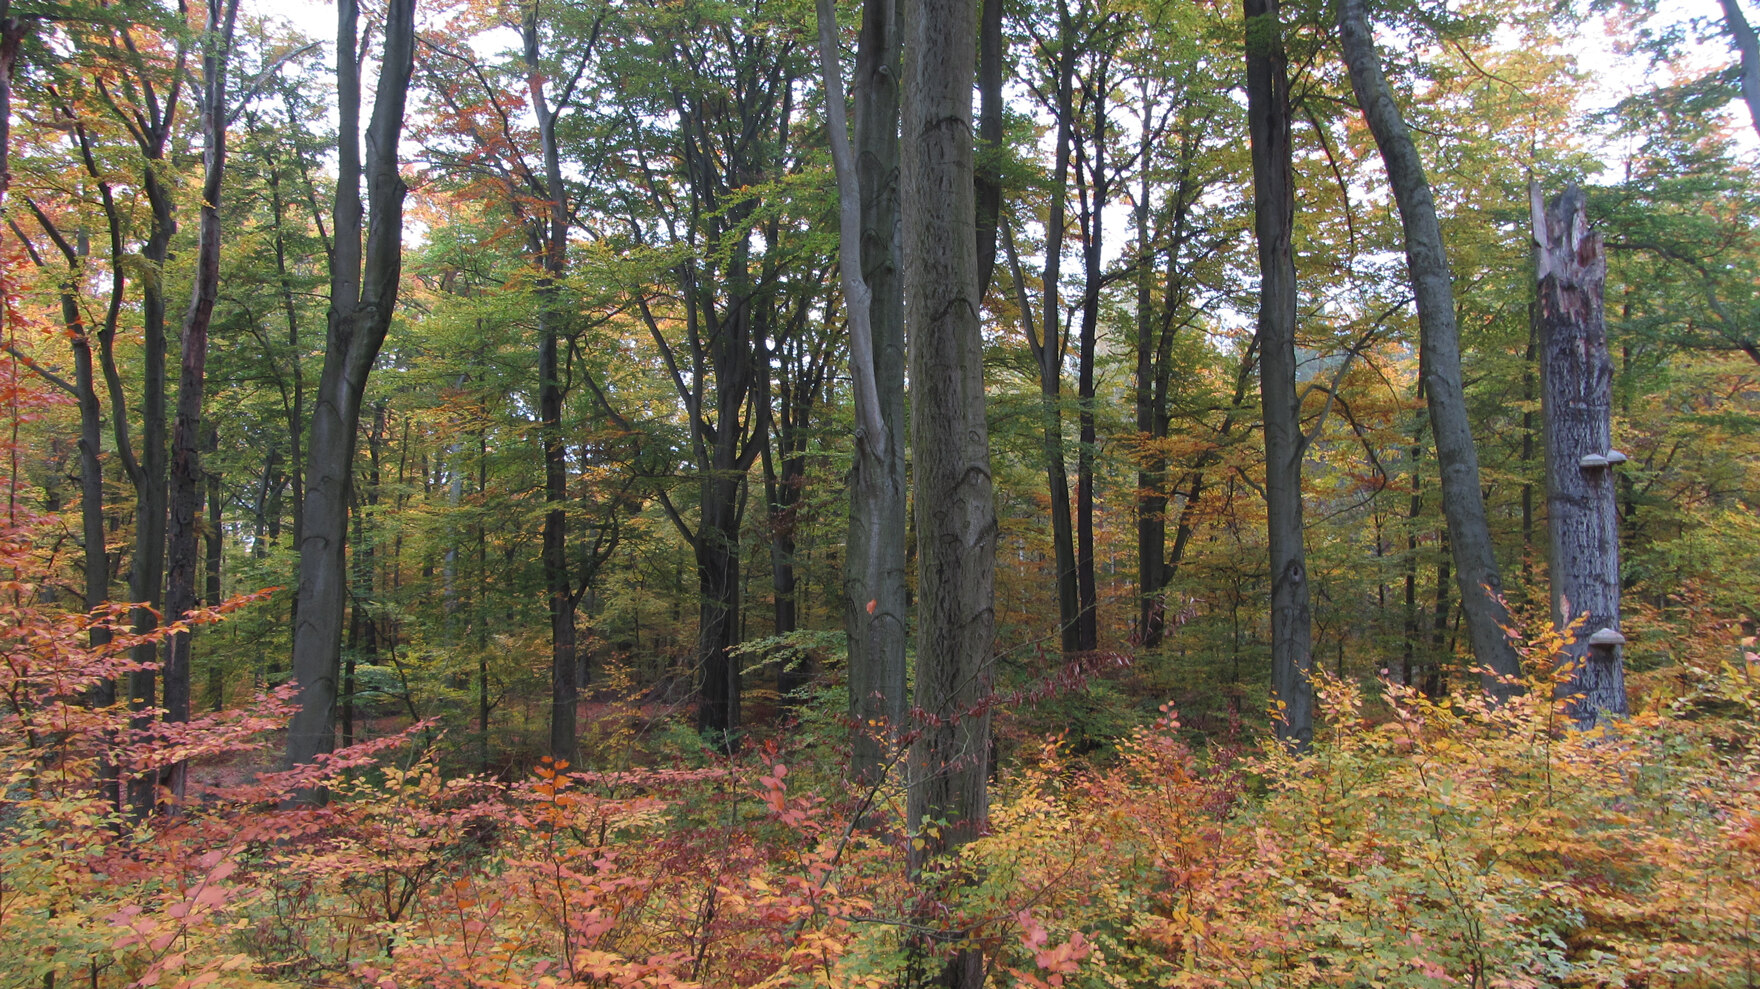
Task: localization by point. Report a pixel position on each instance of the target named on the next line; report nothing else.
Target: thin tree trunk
(552, 239)
(956, 520)
(1463, 503)
(184, 563)
(214, 547)
(1152, 463)
(363, 298)
(989, 175)
(1576, 375)
(1268, 116)
(1092, 209)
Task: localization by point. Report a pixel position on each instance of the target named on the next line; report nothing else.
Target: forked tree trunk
(363, 297)
(956, 520)
(1463, 504)
(1576, 384)
(1268, 122)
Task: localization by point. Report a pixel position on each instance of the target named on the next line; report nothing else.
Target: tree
(1268, 121)
(1439, 361)
(1576, 375)
(956, 520)
(363, 299)
(868, 263)
(1748, 51)
(1048, 348)
(188, 485)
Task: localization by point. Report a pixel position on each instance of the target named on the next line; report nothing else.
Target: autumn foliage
(1421, 843)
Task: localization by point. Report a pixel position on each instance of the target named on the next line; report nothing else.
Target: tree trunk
(1092, 212)
(184, 560)
(718, 572)
(1152, 462)
(987, 165)
(1748, 47)
(363, 298)
(874, 564)
(12, 31)
(1268, 117)
(1463, 503)
(214, 546)
(956, 520)
(552, 239)
(1049, 349)
(1576, 380)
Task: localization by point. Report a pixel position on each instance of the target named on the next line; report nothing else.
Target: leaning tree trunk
(1463, 504)
(363, 296)
(1748, 47)
(1268, 122)
(1576, 383)
(1049, 352)
(956, 520)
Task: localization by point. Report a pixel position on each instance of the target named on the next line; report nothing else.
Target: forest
(1026, 493)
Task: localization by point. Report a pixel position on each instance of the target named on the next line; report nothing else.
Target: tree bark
(956, 520)
(987, 160)
(1576, 375)
(12, 30)
(363, 298)
(1463, 503)
(1748, 47)
(874, 564)
(1268, 117)
(214, 545)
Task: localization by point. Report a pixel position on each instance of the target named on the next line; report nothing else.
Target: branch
(41, 371)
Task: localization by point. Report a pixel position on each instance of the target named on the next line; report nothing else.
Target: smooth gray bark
(991, 51)
(956, 519)
(1268, 121)
(1576, 386)
(1748, 46)
(874, 562)
(1463, 503)
(363, 297)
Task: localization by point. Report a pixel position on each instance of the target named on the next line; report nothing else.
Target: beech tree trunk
(1463, 504)
(991, 69)
(1748, 47)
(363, 297)
(956, 520)
(1576, 384)
(874, 563)
(184, 561)
(1268, 119)
(552, 241)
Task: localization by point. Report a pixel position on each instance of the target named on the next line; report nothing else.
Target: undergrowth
(1421, 842)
